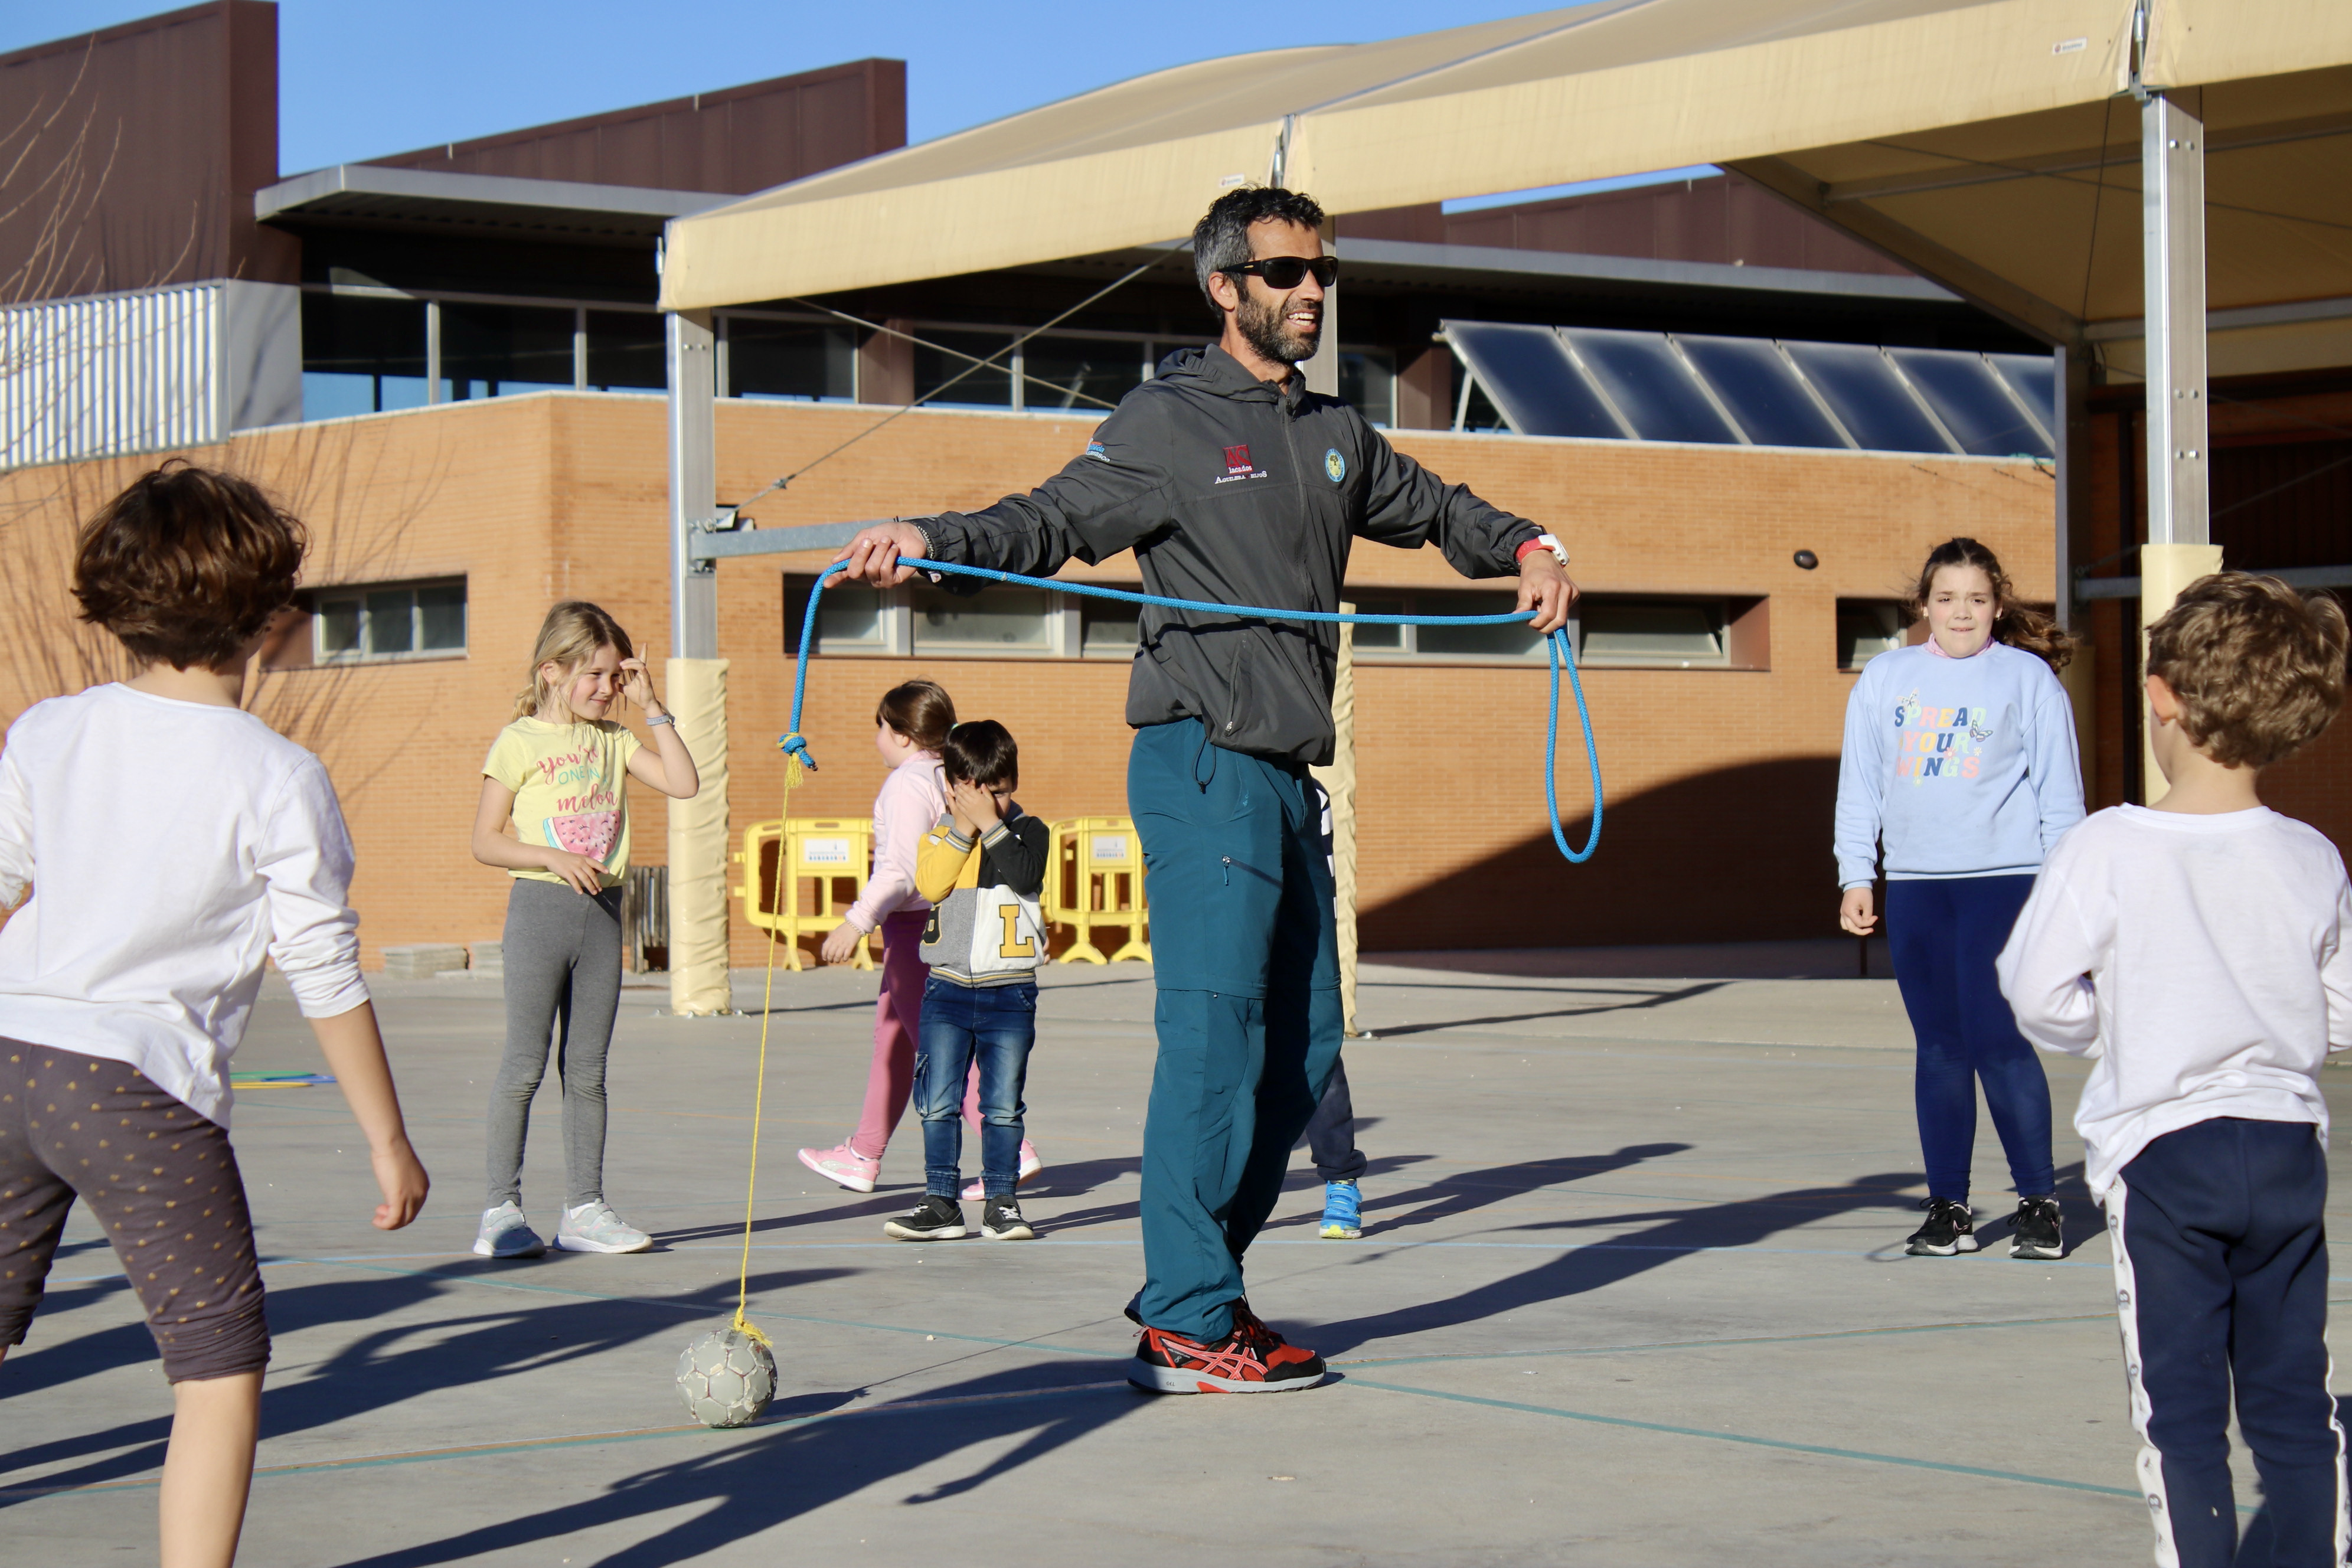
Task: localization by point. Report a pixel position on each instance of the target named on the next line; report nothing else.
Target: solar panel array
(1616, 385)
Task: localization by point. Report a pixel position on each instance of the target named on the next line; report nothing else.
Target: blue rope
(1555, 645)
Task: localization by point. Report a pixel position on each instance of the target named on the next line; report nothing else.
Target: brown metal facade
(130, 155)
(742, 140)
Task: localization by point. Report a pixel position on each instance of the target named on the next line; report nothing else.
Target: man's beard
(1264, 329)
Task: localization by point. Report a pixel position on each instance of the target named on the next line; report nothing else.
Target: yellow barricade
(1095, 879)
(822, 860)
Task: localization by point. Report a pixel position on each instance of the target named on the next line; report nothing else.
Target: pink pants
(898, 1021)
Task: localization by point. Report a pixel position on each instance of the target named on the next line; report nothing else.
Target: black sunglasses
(1283, 272)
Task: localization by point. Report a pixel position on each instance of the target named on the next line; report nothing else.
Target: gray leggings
(563, 984)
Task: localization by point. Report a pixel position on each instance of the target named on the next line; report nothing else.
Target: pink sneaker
(843, 1165)
(1030, 1166)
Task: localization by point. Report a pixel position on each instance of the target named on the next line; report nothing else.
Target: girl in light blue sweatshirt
(1959, 760)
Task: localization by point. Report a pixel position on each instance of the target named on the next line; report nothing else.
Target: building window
(626, 352)
(848, 620)
(1868, 627)
(1368, 381)
(499, 351)
(1506, 644)
(1674, 633)
(362, 356)
(1670, 634)
(941, 360)
(1086, 374)
(996, 621)
(1006, 622)
(794, 359)
(1108, 629)
(374, 623)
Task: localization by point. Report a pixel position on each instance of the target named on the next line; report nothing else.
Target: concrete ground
(1631, 1292)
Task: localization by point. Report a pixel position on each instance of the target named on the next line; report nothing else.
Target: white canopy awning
(1982, 143)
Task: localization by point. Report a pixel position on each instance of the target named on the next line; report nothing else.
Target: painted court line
(1960, 1327)
(435, 1455)
(1780, 1445)
(584, 1439)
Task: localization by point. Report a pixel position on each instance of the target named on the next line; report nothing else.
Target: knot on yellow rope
(744, 1326)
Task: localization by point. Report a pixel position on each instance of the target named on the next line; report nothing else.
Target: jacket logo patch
(1334, 466)
(1237, 460)
(1094, 449)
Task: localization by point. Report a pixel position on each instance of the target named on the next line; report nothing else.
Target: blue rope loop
(1556, 648)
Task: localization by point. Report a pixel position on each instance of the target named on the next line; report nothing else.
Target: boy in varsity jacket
(982, 868)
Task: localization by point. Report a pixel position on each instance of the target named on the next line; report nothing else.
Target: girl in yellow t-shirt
(556, 775)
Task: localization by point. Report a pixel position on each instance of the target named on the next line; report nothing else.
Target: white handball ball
(726, 1378)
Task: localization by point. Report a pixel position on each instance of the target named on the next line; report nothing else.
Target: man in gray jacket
(1233, 485)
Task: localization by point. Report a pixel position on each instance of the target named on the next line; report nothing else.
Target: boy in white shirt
(2197, 951)
(171, 842)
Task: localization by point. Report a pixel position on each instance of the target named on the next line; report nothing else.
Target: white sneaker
(595, 1227)
(506, 1234)
(1030, 1165)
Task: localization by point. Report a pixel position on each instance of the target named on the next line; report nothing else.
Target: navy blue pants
(1943, 936)
(1248, 967)
(1332, 1134)
(992, 1026)
(2222, 1279)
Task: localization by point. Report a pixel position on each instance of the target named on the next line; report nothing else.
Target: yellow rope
(767, 1012)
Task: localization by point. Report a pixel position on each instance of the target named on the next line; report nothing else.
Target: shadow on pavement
(751, 1484)
(1673, 1234)
(376, 1370)
(1622, 1004)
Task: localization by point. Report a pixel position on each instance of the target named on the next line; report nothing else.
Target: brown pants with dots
(162, 1183)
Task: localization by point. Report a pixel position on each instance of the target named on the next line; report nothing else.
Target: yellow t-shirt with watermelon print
(571, 784)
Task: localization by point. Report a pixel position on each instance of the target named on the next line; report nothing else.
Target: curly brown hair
(2012, 622)
(2257, 668)
(187, 565)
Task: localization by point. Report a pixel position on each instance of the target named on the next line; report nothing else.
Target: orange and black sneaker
(1252, 1358)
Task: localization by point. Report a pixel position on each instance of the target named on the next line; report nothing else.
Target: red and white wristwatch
(1542, 542)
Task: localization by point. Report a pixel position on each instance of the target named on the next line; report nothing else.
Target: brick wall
(1717, 825)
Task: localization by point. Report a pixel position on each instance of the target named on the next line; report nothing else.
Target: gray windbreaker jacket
(1232, 491)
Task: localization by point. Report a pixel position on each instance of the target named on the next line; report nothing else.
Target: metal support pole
(696, 678)
(2172, 240)
(693, 480)
(1323, 370)
(2071, 431)
(432, 350)
(2173, 245)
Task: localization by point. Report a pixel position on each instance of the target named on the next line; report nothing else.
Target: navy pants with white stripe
(2221, 1278)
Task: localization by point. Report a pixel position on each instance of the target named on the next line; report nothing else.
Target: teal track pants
(1247, 966)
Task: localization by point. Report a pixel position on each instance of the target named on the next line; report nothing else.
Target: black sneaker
(999, 1220)
(1948, 1229)
(2034, 1232)
(938, 1219)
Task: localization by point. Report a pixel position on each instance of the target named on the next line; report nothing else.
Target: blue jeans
(995, 1025)
(1247, 971)
(1943, 935)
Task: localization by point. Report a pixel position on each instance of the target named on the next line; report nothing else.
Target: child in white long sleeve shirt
(2197, 951)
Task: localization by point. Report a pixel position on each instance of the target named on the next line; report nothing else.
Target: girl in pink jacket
(911, 722)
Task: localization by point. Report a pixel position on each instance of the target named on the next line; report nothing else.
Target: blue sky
(362, 80)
